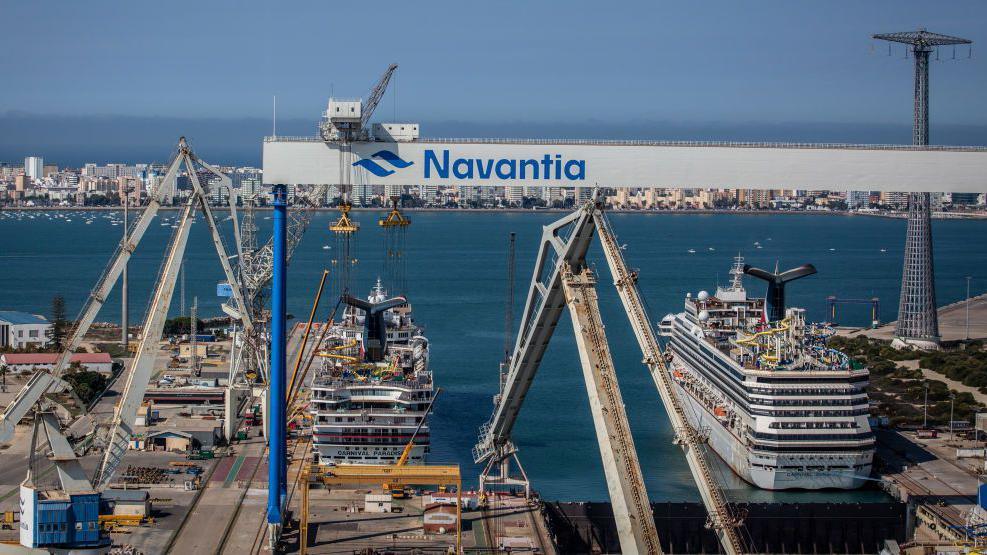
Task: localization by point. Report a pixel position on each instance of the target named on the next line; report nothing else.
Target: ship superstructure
(780, 407)
(374, 385)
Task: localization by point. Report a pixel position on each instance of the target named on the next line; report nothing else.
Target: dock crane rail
(564, 245)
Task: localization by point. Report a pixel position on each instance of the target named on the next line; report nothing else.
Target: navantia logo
(387, 156)
(547, 167)
(442, 165)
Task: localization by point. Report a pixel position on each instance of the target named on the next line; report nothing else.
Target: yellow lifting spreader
(394, 218)
(344, 224)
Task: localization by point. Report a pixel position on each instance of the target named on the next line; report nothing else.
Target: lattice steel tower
(918, 320)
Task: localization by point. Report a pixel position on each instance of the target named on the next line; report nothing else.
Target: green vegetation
(87, 385)
(182, 326)
(59, 325)
(115, 350)
(899, 391)
(967, 364)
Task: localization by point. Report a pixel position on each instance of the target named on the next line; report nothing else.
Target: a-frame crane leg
(563, 242)
(42, 382)
(625, 482)
(140, 372)
(722, 521)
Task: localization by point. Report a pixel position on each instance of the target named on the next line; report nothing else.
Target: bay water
(456, 282)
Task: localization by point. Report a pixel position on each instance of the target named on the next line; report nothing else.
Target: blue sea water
(456, 283)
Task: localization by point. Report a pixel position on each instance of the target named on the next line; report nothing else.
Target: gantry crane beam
(628, 496)
(692, 442)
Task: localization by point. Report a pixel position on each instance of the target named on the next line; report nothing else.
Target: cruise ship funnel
(776, 286)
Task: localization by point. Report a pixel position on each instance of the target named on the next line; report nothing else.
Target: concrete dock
(952, 322)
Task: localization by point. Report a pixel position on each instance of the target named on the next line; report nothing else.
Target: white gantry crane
(49, 381)
(561, 278)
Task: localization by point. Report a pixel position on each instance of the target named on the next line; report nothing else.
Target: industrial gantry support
(625, 483)
(918, 318)
(560, 279)
(277, 426)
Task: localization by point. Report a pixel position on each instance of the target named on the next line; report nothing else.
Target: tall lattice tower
(918, 320)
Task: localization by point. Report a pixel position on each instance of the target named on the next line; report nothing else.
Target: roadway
(230, 513)
(952, 322)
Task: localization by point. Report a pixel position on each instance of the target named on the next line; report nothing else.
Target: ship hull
(763, 471)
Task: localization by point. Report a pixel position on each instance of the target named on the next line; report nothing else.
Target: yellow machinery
(403, 459)
(394, 218)
(7, 522)
(112, 522)
(344, 224)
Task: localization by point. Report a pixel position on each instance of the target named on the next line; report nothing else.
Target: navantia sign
(443, 164)
(309, 161)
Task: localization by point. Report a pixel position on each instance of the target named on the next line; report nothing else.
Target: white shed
(377, 503)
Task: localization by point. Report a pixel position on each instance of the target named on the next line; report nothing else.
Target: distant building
(857, 199)
(34, 167)
(92, 362)
(894, 199)
(965, 199)
(20, 329)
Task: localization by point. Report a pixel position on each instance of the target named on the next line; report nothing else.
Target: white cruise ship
(374, 385)
(782, 409)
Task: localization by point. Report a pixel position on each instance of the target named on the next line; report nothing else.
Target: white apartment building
(19, 329)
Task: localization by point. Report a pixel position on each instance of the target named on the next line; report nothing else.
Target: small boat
(832, 250)
(325, 247)
(711, 249)
(692, 251)
(884, 250)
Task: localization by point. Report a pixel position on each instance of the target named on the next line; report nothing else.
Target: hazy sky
(576, 61)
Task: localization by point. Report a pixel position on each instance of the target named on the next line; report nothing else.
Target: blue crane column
(277, 467)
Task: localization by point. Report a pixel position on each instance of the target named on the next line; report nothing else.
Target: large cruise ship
(782, 409)
(374, 386)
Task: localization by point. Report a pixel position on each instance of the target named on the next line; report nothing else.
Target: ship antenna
(737, 273)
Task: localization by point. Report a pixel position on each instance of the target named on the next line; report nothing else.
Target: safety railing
(616, 142)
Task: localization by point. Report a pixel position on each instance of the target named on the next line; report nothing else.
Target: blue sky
(541, 61)
(117, 80)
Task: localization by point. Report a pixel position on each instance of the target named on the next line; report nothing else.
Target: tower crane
(562, 279)
(344, 122)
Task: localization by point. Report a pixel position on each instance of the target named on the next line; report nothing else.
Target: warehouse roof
(51, 358)
(15, 317)
(119, 495)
